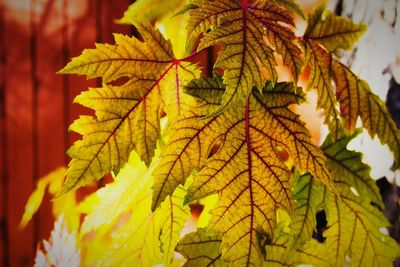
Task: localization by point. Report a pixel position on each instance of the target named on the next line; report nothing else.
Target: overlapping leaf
(201, 249)
(326, 33)
(241, 27)
(246, 171)
(354, 224)
(348, 169)
(127, 115)
(354, 230)
(357, 99)
(309, 197)
(312, 253)
(148, 238)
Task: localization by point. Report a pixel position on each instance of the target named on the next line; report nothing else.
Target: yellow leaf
(324, 34)
(331, 31)
(36, 198)
(246, 172)
(356, 99)
(128, 115)
(320, 79)
(240, 27)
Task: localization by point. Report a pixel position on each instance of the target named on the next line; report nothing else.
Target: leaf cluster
(234, 135)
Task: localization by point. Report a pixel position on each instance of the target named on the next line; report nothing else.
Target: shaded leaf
(201, 248)
(312, 253)
(347, 168)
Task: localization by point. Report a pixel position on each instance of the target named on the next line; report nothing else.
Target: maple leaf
(201, 248)
(356, 99)
(251, 136)
(331, 31)
(354, 230)
(244, 28)
(128, 115)
(353, 223)
(327, 33)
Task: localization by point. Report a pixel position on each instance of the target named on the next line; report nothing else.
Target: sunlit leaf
(240, 26)
(128, 115)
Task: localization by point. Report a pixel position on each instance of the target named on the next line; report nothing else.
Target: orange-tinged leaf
(320, 79)
(356, 99)
(326, 33)
(240, 27)
(128, 115)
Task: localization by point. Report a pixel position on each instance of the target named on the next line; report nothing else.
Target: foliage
(233, 142)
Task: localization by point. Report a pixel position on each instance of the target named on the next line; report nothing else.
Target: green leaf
(201, 248)
(347, 168)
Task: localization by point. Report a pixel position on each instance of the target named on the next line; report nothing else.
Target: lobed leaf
(127, 116)
(246, 172)
(354, 230)
(326, 33)
(241, 26)
(356, 99)
(331, 31)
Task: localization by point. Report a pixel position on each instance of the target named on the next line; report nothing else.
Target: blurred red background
(37, 38)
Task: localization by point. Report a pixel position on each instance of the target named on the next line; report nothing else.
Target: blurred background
(38, 37)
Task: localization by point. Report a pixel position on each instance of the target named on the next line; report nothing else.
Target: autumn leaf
(36, 198)
(251, 137)
(249, 32)
(353, 223)
(331, 31)
(357, 100)
(326, 33)
(201, 248)
(128, 115)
